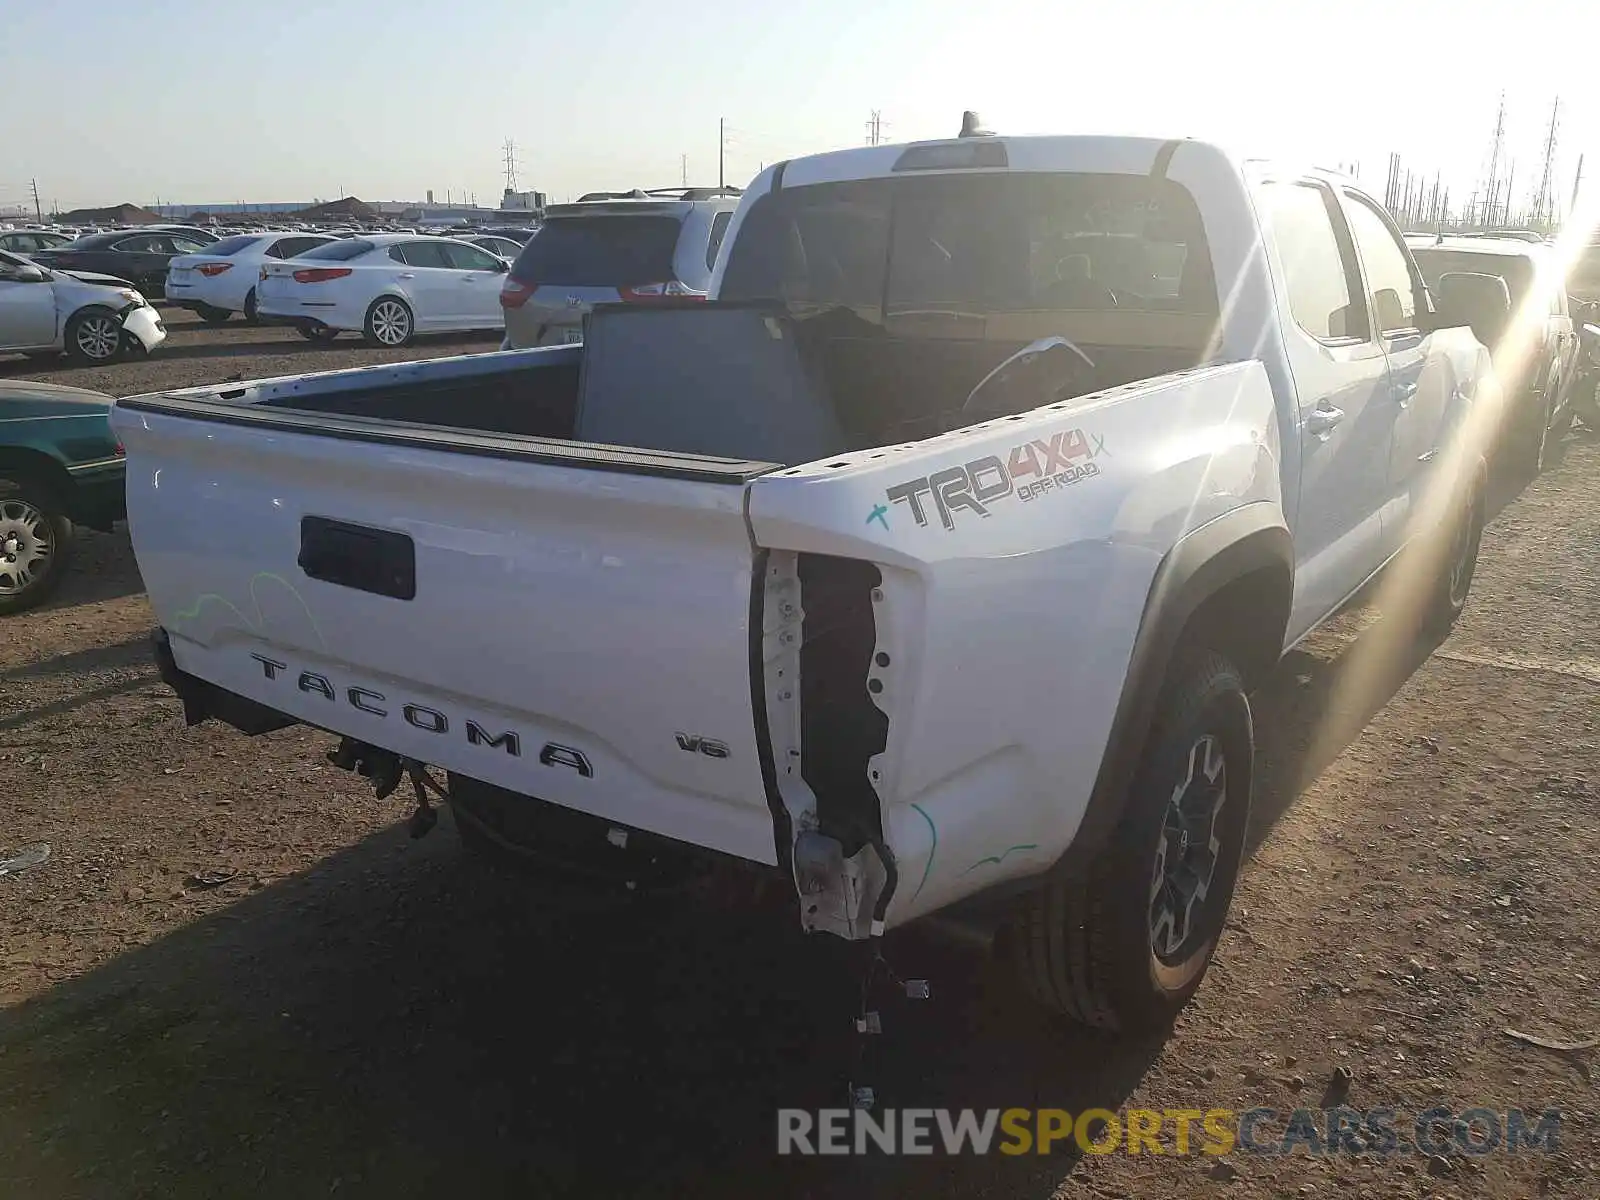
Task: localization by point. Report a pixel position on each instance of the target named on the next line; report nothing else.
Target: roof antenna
(972, 126)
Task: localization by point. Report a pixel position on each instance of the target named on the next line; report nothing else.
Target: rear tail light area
(514, 293)
(645, 293)
(321, 274)
(209, 269)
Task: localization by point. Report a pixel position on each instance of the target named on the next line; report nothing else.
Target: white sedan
(221, 279)
(94, 318)
(387, 287)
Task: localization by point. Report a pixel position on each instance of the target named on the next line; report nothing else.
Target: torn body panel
(823, 669)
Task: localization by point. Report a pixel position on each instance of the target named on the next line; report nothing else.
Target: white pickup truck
(931, 563)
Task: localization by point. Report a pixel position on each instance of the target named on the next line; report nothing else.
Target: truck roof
(1108, 154)
(1498, 246)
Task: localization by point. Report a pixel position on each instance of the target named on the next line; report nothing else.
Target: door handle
(1320, 421)
(1405, 392)
(406, 275)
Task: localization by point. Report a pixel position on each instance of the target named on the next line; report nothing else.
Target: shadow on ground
(102, 568)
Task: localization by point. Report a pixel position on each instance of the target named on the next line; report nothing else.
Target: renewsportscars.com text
(1176, 1131)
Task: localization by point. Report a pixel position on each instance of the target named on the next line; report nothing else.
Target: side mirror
(502, 267)
(1481, 301)
(24, 274)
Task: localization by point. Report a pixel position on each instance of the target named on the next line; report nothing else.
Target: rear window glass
(600, 251)
(340, 251)
(1515, 270)
(232, 245)
(975, 244)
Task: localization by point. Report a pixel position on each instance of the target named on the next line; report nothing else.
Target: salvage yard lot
(236, 975)
(194, 356)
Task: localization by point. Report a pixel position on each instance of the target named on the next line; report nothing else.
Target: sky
(183, 102)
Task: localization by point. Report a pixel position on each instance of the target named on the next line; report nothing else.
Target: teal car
(60, 466)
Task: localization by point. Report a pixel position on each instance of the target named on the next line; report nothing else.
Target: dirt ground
(236, 976)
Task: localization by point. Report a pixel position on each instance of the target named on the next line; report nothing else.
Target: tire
(1454, 549)
(390, 323)
(94, 336)
(1537, 442)
(35, 541)
(250, 314)
(1120, 946)
(320, 333)
(213, 316)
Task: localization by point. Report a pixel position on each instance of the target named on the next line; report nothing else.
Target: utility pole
(875, 128)
(1543, 199)
(1577, 181)
(38, 213)
(683, 169)
(1492, 190)
(722, 152)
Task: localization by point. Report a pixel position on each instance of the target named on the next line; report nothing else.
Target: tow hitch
(384, 769)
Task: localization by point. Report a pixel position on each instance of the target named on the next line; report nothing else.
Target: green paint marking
(997, 861)
(934, 849)
(258, 624)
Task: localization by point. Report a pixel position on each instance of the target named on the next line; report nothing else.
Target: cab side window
(1389, 281)
(1323, 285)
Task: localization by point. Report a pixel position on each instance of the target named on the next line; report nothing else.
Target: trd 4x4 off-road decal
(1031, 470)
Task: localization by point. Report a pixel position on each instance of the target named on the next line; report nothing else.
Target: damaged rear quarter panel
(1008, 612)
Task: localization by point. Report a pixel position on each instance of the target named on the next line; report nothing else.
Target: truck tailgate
(496, 607)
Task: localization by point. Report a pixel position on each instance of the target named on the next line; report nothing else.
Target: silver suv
(613, 247)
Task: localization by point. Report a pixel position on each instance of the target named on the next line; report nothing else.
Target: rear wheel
(250, 316)
(212, 315)
(389, 322)
(94, 336)
(35, 541)
(1124, 945)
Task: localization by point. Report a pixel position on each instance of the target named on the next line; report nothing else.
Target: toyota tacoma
(929, 565)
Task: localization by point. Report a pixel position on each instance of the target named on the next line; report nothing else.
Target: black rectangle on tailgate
(380, 561)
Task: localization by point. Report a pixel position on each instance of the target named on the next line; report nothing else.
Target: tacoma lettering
(431, 720)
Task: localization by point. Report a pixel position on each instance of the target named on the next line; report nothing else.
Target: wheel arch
(35, 464)
(1227, 586)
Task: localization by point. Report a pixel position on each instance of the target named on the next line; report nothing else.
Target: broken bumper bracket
(202, 700)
